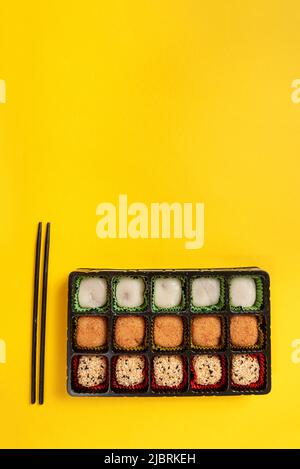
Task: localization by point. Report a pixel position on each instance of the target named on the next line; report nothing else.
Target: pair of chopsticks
(43, 313)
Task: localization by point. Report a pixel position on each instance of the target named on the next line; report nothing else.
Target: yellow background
(162, 101)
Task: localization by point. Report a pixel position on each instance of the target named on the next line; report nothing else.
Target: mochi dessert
(206, 331)
(168, 331)
(130, 370)
(244, 330)
(205, 291)
(130, 292)
(168, 370)
(92, 292)
(207, 369)
(129, 331)
(92, 370)
(167, 292)
(91, 332)
(242, 292)
(245, 370)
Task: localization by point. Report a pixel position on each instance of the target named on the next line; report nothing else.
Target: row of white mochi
(167, 292)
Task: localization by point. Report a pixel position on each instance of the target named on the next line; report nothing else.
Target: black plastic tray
(188, 353)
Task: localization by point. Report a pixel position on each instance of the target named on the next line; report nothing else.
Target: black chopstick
(35, 311)
(43, 317)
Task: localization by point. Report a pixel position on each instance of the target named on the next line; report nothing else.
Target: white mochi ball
(130, 292)
(167, 292)
(92, 292)
(242, 292)
(206, 291)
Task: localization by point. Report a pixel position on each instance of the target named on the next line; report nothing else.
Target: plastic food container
(226, 367)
